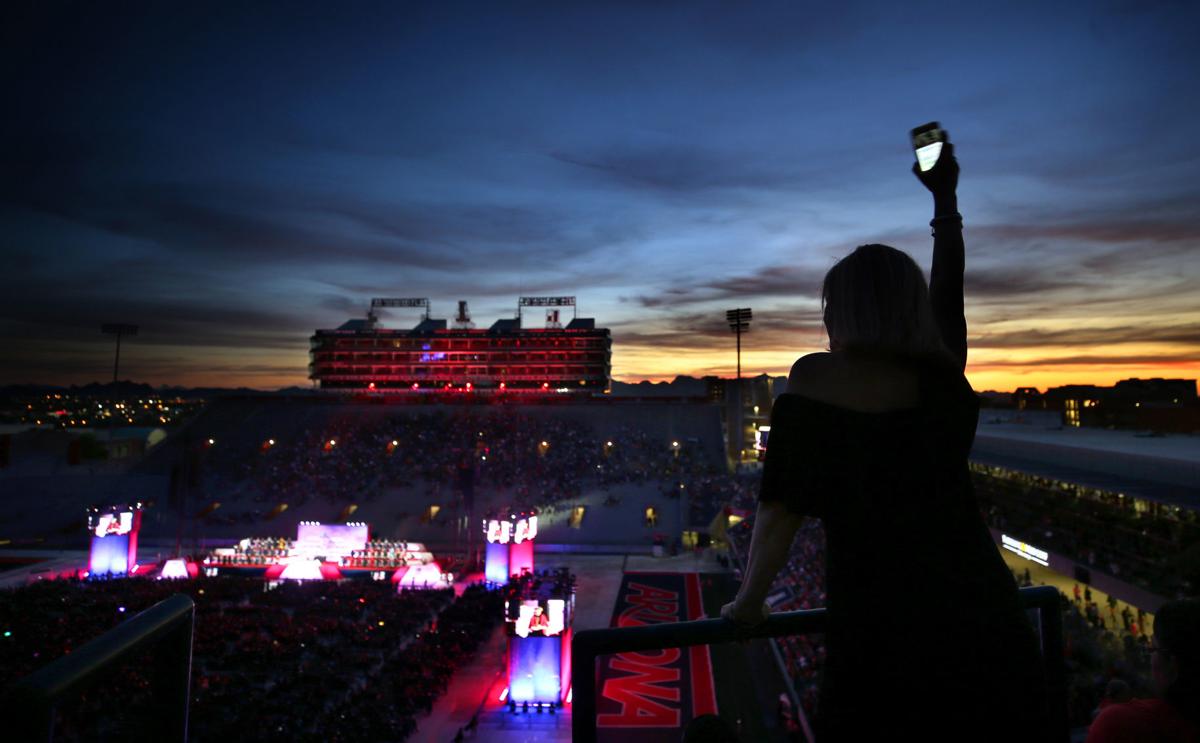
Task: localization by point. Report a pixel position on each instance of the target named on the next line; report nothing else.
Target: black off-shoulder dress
(925, 635)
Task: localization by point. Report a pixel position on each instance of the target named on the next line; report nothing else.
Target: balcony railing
(587, 645)
(166, 627)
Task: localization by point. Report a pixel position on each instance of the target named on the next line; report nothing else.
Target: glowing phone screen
(927, 156)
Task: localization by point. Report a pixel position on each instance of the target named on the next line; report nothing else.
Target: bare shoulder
(809, 372)
(855, 383)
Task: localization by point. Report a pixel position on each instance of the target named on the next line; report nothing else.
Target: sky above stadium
(231, 178)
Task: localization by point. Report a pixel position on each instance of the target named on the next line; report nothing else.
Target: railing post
(1046, 599)
(588, 644)
(583, 690)
(30, 706)
(173, 681)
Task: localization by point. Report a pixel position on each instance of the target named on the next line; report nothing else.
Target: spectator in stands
(872, 438)
(1173, 716)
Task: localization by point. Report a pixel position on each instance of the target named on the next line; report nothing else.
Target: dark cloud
(1104, 231)
(1185, 334)
(689, 169)
(1002, 284)
(1183, 360)
(779, 329)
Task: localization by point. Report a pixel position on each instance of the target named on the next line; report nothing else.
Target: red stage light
(502, 385)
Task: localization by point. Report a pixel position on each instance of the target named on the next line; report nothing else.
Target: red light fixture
(415, 385)
(545, 385)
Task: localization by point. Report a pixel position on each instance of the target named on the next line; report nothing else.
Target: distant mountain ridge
(128, 389)
(682, 386)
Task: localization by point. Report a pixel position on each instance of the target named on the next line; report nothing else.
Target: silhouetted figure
(872, 438)
(1173, 716)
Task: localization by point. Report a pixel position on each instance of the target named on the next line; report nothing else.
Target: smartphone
(927, 141)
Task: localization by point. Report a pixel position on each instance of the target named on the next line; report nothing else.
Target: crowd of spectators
(537, 461)
(1134, 540)
(1100, 646)
(327, 661)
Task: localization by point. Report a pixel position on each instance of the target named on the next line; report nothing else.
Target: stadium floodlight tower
(510, 536)
(386, 302)
(551, 305)
(739, 322)
(118, 329)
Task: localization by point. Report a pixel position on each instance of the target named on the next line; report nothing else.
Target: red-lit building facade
(360, 355)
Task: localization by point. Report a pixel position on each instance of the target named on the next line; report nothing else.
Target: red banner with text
(650, 696)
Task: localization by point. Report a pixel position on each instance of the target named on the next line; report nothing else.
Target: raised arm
(946, 274)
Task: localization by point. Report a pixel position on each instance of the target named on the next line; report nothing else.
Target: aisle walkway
(1043, 576)
(466, 694)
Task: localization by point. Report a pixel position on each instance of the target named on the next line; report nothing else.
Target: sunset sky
(231, 178)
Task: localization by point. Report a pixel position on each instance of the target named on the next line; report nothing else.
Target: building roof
(505, 326)
(1165, 469)
(429, 325)
(1180, 447)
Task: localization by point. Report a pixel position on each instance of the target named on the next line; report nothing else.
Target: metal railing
(166, 627)
(587, 645)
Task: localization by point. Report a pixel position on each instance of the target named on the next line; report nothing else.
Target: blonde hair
(875, 300)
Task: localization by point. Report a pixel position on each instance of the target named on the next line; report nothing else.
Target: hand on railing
(743, 616)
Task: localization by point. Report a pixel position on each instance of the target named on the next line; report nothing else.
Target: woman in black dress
(926, 637)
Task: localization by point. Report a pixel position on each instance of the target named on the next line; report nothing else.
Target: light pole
(118, 329)
(739, 322)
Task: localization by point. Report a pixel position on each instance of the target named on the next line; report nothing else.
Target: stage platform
(475, 691)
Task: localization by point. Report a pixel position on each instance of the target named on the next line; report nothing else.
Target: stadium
(411, 551)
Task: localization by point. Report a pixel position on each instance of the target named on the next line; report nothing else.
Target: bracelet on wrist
(943, 220)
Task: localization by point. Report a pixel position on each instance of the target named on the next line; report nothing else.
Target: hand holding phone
(936, 166)
(928, 141)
